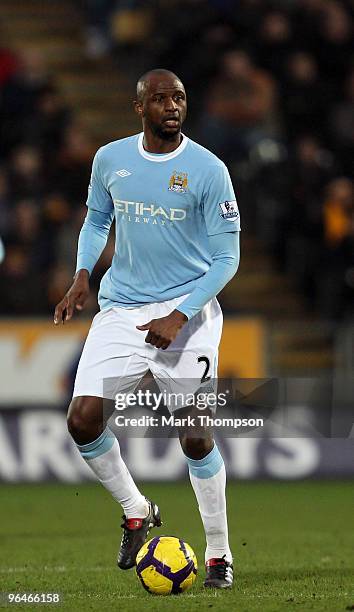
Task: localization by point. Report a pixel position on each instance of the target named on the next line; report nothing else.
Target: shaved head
(161, 103)
(154, 77)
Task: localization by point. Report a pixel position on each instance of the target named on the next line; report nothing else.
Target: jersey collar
(162, 157)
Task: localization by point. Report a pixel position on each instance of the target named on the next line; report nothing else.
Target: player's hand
(163, 331)
(74, 298)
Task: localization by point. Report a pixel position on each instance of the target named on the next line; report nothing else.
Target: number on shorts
(205, 376)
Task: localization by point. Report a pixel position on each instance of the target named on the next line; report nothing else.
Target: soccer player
(177, 245)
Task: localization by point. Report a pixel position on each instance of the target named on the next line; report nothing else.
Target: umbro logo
(122, 173)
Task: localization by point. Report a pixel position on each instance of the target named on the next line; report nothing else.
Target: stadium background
(271, 91)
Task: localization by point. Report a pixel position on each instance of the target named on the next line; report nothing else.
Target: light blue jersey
(165, 206)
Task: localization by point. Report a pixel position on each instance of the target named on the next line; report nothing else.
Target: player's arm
(225, 254)
(2, 251)
(222, 222)
(92, 240)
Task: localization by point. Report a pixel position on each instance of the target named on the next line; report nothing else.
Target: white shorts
(115, 356)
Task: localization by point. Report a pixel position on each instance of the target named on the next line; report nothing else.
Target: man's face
(164, 106)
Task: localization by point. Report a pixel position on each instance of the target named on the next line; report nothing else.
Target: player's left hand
(163, 331)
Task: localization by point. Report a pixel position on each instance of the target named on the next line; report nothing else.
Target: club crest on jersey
(229, 210)
(178, 182)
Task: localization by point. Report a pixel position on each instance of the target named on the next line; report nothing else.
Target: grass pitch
(293, 546)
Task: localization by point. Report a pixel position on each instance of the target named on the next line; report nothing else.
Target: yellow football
(166, 565)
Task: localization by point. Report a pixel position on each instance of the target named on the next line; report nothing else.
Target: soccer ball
(166, 565)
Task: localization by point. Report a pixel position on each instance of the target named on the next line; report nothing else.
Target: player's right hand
(74, 298)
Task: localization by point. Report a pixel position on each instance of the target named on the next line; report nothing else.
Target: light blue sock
(98, 447)
(208, 466)
(104, 458)
(208, 479)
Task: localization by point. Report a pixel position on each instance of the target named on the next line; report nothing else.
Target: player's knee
(80, 424)
(196, 448)
(75, 420)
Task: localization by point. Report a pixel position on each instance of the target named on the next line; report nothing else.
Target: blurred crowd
(45, 160)
(271, 91)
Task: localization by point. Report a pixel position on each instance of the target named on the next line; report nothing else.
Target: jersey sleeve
(98, 197)
(220, 208)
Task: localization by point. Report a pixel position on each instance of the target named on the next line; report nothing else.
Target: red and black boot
(135, 532)
(219, 574)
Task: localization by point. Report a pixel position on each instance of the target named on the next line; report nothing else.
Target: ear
(138, 107)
